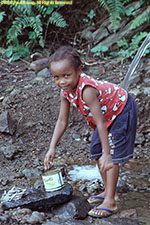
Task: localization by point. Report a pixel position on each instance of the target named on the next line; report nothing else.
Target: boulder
(77, 208)
(39, 199)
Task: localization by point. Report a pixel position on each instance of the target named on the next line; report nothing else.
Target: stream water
(135, 175)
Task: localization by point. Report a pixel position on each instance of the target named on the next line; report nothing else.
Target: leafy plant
(90, 16)
(27, 27)
(2, 14)
(15, 53)
(99, 50)
(140, 19)
(128, 50)
(115, 8)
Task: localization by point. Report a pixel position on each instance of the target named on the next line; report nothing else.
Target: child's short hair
(67, 52)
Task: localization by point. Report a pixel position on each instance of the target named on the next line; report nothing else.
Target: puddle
(87, 172)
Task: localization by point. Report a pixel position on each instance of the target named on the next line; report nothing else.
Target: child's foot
(103, 210)
(95, 199)
(100, 198)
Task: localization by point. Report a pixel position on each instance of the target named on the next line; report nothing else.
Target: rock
(7, 100)
(32, 173)
(94, 186)
(4, 219)
(37, 199)
(7, 124)
(14, 194)
(44, 73)
(147, 91)
(76, 208)
(70, 222)
(117, 221)
(100, 33)
(129, 213)
(135, 91)
(23, 212)
(9, 151)
(109, 221)
(139, 138)
(123, 186)
(36, 56)
(76, 137)
(87, 34)
(39, 64)
(134, 79)
(35, 218)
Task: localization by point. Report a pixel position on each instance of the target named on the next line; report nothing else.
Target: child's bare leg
(103, 175)
(110, 189)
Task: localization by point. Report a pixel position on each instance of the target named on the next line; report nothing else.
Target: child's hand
(49, 158)
(105, 162)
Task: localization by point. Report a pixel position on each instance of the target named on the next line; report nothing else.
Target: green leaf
(129, 11)
(15, 57)
(57, 19)
(99, 48)
(32, 35)
(91, 14)
(9, 51)
(140, 19)
(2, 14)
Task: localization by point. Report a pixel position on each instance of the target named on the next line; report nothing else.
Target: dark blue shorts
(121, 134)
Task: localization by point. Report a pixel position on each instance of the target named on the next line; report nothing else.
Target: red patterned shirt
(112, 99)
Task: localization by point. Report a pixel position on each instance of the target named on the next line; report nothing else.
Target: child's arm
(90, 95)
(60, 128)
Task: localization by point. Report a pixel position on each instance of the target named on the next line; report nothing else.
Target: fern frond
(51, 8)
(115, 9)
(104, 4)
(36, 24)
(57, 19)
(2, 14)
(22, 9)
(136, 40)
(41, 8)
(142, 18)
(14, 31)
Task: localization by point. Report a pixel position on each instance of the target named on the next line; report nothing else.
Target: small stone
(9, 151)
(129, 213)
(44, 73)
(7, 124)
(76, 137)
(35, 218)
(24, 211)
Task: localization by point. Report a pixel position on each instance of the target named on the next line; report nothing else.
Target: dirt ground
(33, 101)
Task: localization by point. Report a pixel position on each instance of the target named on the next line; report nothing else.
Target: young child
(108, 109)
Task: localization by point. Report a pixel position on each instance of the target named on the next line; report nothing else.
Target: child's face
(65, 75)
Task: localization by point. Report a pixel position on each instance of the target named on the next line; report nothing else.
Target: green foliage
(99, 50)
(27, 27)
(90, 16)
(15, 53)
(140, 19)
(2, 14)
(57, 19)
(128, 50)
(115, 8)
